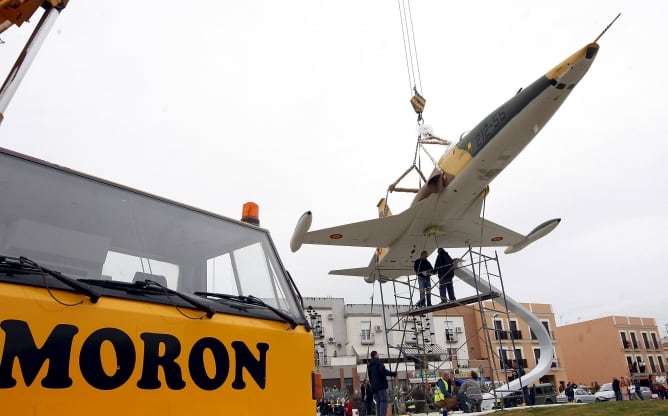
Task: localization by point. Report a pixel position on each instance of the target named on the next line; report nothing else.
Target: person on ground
(632, 391)
(378, 377)
(617, 389)
(443, 392)
(367, 398)
(570, 392)
(471, 387)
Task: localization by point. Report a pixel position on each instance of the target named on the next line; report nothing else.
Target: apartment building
(613, 346)
(503, 346)
(418, 346)
(345, 335)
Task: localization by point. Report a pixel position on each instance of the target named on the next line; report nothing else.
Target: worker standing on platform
(445, 267)
(424, 270)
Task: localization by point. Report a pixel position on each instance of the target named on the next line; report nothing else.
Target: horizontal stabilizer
(358, 271)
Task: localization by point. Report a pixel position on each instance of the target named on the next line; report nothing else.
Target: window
(499, 333)
(662, 367)
(645, 340)
(320, 355)
(367, 336)
(555, 361)
(518, 360)
(641, 364)
(514, 330)
(625, 342)
(123, 267)
(633, 365)
(651, 364)
(504, 362)
(90, 228)
(634, 341)
(654, 341)
(546, 324)
(450, 335)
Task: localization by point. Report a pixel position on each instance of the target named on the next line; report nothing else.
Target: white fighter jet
(446, 210)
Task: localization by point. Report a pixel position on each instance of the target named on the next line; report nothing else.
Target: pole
(26, 57)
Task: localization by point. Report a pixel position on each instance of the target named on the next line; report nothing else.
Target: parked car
(645, 393)
(543, 393)
(581, 396)
(605, 393)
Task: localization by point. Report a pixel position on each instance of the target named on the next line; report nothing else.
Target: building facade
(495, 343)
(501, 346)
(613, 346)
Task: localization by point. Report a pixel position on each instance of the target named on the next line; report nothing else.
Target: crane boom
(15, 12)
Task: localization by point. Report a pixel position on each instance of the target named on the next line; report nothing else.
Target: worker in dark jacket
(423, 270)
(445, 266)
(378, 376)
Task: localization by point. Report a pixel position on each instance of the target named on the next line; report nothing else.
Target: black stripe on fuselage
(483, 133)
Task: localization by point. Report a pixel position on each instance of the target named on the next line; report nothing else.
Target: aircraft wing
(400, 238)
(397, 260)
(378, 232)
(477, 232)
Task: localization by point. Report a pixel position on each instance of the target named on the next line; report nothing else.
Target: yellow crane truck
(114, 301)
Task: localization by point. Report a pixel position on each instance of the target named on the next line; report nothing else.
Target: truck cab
(116, 298)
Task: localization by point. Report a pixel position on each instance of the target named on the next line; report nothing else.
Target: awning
(418, 350)
(362, 353)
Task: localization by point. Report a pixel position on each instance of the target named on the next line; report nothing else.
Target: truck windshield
(88, 228)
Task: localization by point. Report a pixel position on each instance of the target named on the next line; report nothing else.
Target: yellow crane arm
(15, 12)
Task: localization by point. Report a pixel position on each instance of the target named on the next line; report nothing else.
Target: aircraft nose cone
(592, 50)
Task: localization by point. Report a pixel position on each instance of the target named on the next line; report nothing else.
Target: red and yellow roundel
(496, 239)
(336, 236)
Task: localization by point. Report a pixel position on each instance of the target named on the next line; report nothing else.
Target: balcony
(522, 362)
(499, 334)
(512, 364)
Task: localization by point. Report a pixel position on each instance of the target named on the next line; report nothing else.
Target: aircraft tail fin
(383, 208)
(383, 211)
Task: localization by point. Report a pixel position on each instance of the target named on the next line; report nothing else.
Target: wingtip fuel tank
(302, 227)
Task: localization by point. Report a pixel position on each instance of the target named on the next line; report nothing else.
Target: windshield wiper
(194, 301)
(25, 264)
(252, 300)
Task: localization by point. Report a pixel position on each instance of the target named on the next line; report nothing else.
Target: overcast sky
(304, 105)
